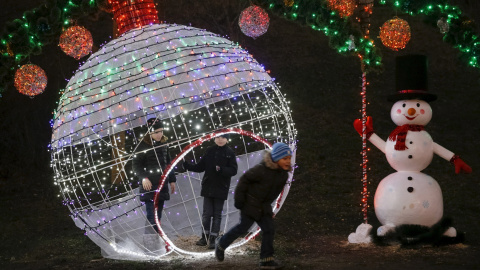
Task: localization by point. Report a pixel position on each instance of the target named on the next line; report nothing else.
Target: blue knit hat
(279, 151)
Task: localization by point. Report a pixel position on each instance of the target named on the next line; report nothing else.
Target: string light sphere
(254, 21)
(30, 80)
(395, 34)
(76, 42)
(196, 83)
(345, 8)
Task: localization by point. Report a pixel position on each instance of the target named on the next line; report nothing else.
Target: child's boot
(270, 263)
(202, 241)
(211, 241)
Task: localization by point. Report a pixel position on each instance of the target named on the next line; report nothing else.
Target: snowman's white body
(409, 196)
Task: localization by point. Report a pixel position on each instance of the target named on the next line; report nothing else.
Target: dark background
(324, 89)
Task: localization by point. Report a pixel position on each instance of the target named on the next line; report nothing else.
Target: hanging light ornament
(254, 21)
(395, 33)
(30, 80)
(442, 24)
(76, 42)
(345, 8)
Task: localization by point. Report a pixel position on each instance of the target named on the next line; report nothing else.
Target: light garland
(460, 34)
(195, 82)
(364, 149)
(345, 8)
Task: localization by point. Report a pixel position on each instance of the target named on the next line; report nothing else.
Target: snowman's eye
(418, 104)
(404, 105)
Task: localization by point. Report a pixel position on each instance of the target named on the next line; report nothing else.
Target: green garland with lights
(317, 15)
(461, 34)
(43, 25)
(38, 27)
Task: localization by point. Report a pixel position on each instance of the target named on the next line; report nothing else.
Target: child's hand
(172, 187)
(147, 185)
(217, 168)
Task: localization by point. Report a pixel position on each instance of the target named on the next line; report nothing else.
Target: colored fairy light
(76, 42)
(364, 149)
(395, 34)
(130, 14)
(345, 8)
(254, 21)
(100, 120)
(30, 80)
(288, 3)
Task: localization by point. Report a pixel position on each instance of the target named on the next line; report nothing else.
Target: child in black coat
(219, 164)
(254, 195)
(151, 159)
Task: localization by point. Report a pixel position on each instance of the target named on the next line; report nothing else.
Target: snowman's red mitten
(357, 124)
(460, 165)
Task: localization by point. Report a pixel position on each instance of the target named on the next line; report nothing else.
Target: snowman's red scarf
(400, 133)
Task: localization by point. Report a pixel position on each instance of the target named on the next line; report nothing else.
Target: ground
(323, 206)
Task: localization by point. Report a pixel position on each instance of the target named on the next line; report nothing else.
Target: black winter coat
(259, 187)
(215, 184)
(146, 165)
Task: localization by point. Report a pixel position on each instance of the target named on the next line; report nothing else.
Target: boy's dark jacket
(145, 165)
(259, 187)
(215, 184)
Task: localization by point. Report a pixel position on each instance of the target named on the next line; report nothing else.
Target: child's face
(285, 163)
(157, 134)
(221, 141)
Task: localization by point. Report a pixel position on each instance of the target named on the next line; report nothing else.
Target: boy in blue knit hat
(254, 195)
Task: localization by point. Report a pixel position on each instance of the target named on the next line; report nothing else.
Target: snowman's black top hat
(411, 80)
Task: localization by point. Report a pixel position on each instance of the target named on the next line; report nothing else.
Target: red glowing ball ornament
(76, 42)
(395, 34)
(254, 21)
(345, 8)
(30, 80)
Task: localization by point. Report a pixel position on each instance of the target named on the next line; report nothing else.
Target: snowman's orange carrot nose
(411, 111)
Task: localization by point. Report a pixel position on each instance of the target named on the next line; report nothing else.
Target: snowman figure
(409, 196)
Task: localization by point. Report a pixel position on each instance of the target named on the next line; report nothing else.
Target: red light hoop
(168, 243)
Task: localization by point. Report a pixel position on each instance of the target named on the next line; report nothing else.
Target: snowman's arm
(378, 142)
(442, 152)
(460, 165)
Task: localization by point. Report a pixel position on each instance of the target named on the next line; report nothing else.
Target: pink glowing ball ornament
(254, 21)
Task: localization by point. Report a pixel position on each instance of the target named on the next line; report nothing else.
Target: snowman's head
(412, 112)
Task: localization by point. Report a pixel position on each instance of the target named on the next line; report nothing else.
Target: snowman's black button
(410, 178)
(410, 156)
(410, 189)
(411, 142)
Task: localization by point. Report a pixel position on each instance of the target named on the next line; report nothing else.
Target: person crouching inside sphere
(148, 165)
(219, 164)
(254, 195)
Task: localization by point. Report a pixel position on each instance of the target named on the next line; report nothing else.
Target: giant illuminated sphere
(197, 83)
